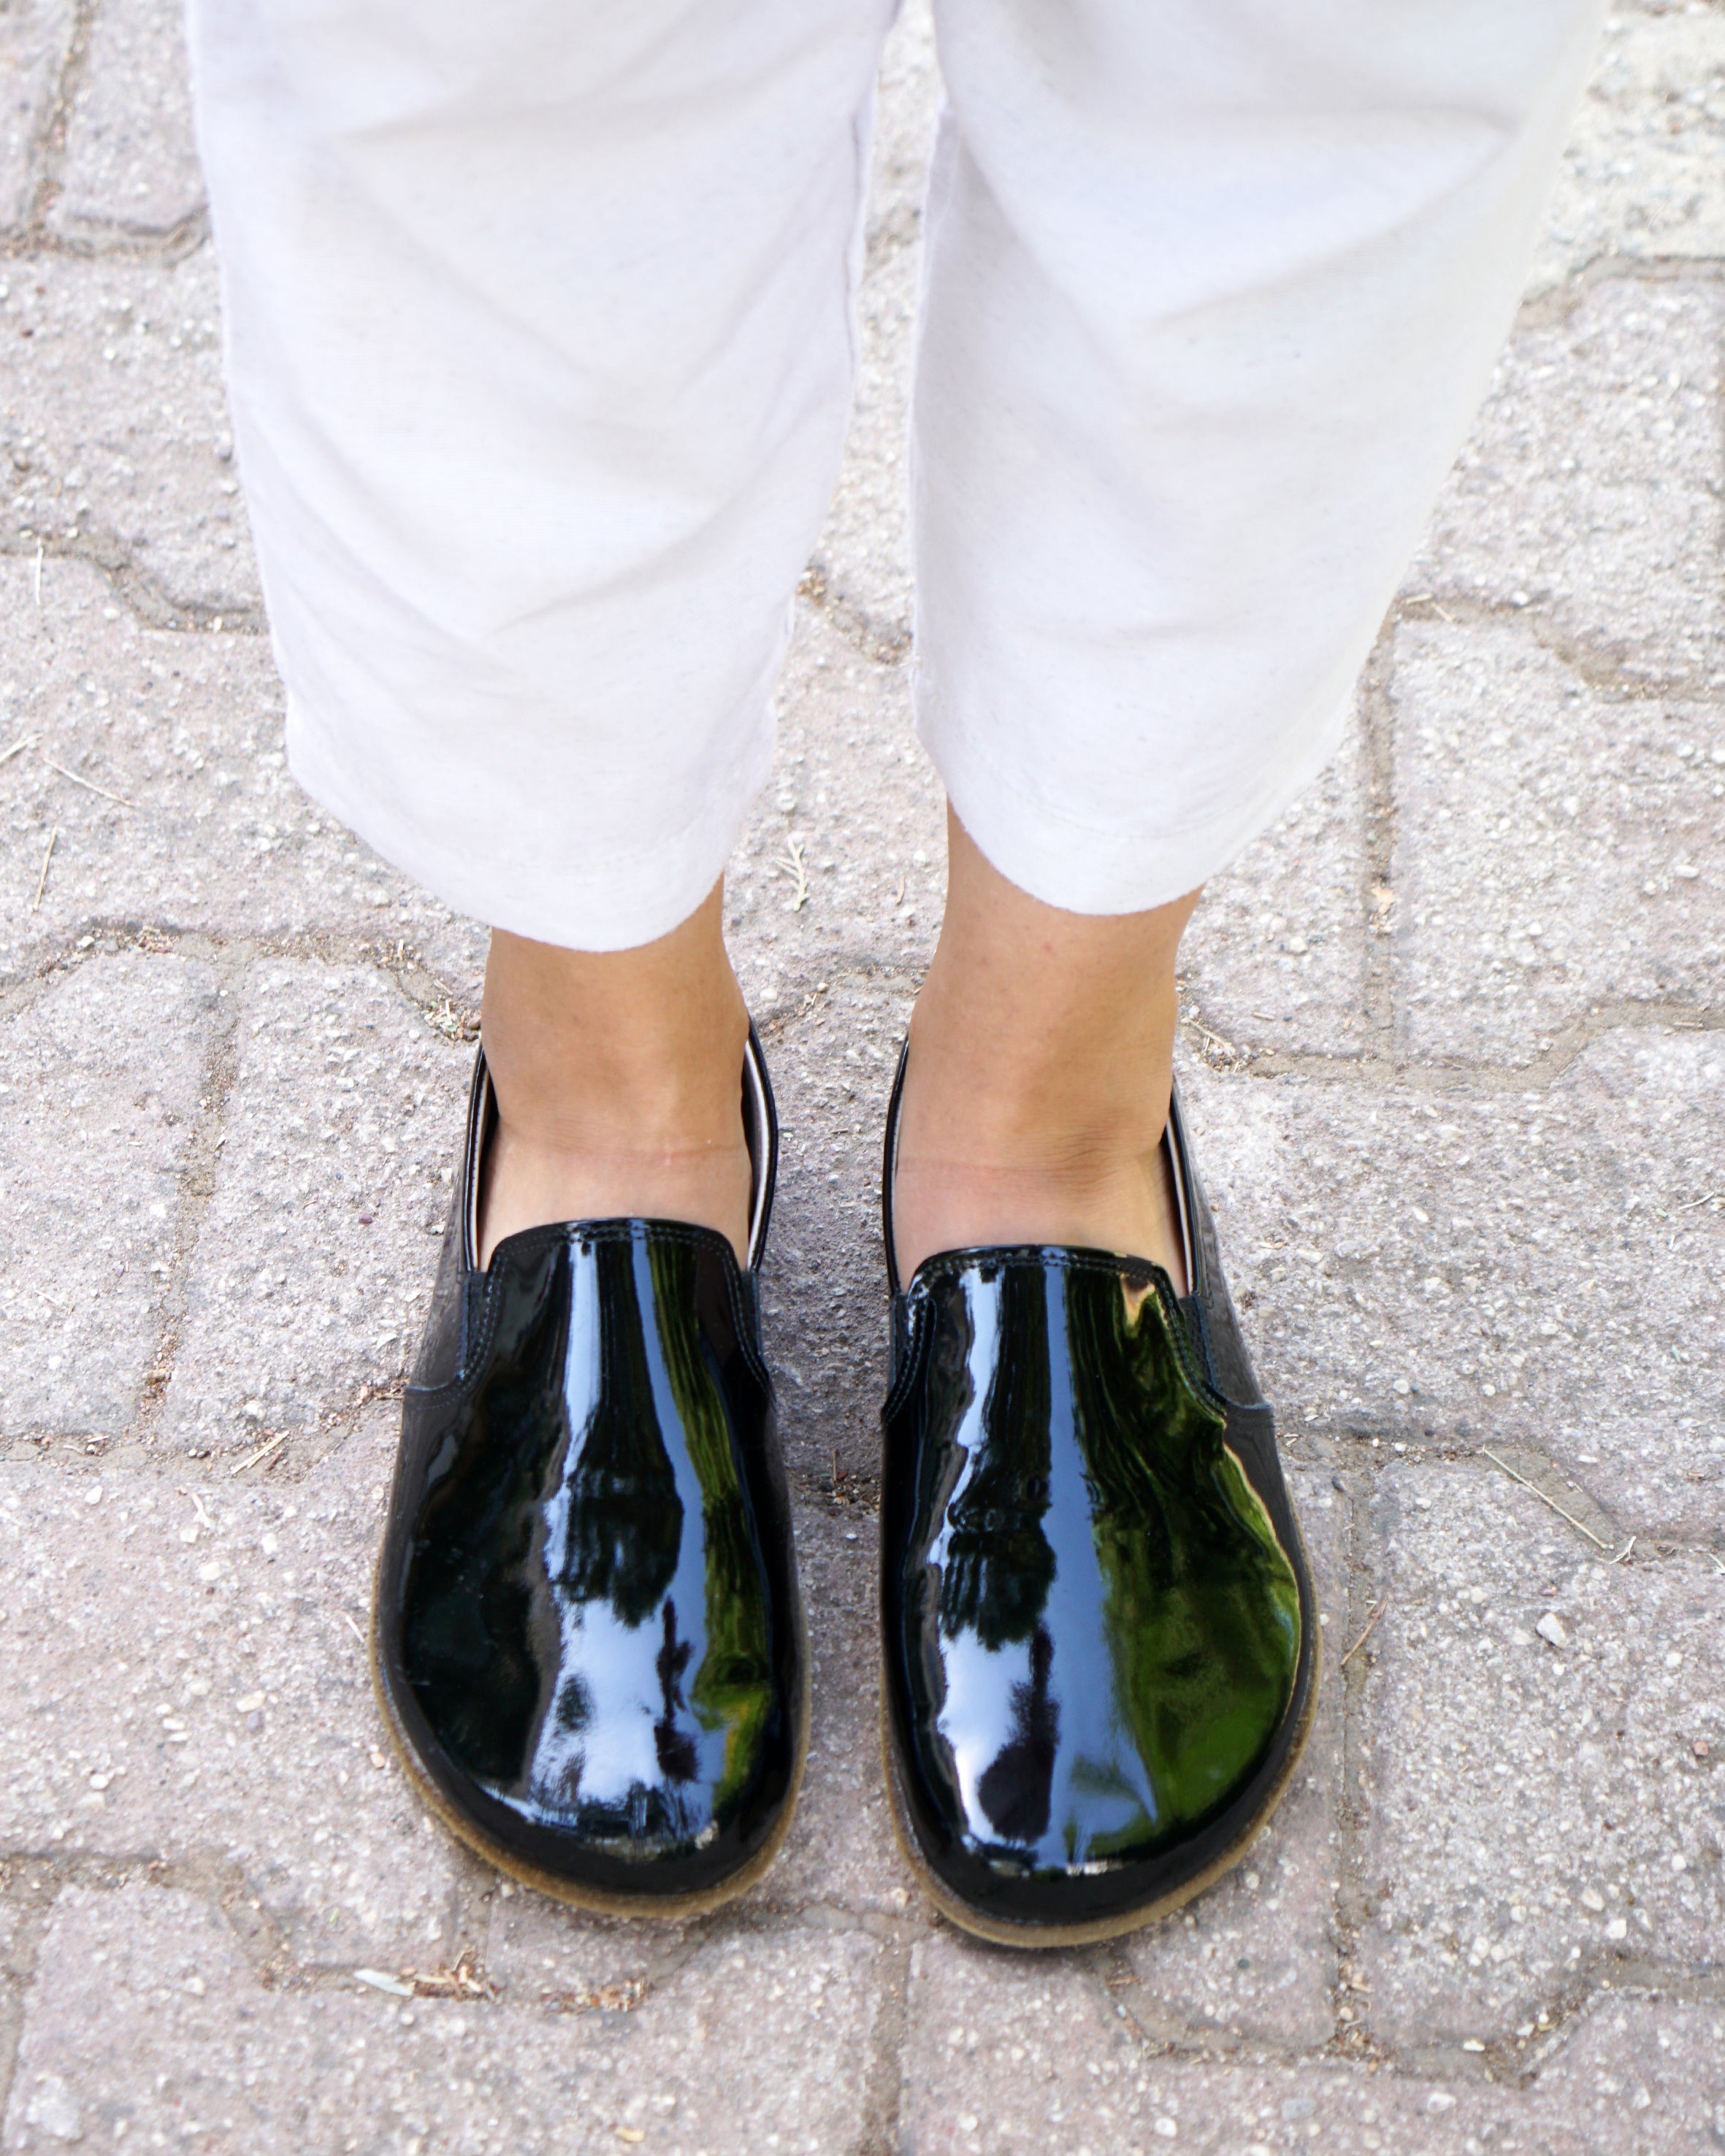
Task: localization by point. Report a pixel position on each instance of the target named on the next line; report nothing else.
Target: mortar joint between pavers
(320, 946)
(1455, 1077)
(135, 588)
(1553, 307)
(112, 240)
(28, 1886)
(232, 967)
(879, 2129)
(1376, 895)
(1177, 2040)
(884, 644)
(1611, 680)
(444, 1008)
(1364, 1608)
(48, 144)
(1517, 2061)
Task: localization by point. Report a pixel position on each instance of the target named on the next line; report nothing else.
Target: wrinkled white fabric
(540, 346)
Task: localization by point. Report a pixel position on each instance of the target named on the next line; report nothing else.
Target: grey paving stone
(1276, 951)
(148, 2021)
(1592, 495)
(100, 1079)
(129, 165)
(1524, 1265)
(116, 425)
(1255, 1958)
(862, 560)
(1546, 1804)
(1640, 174)
(823, 1287)
(315, 1259)
(855, 797)
(841, 1852)
(33, 41)
(1558, 850)
(1006, 2053)
(186, 727)
(182, 1676)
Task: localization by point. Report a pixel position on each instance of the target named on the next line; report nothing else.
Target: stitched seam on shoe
(899, 1391)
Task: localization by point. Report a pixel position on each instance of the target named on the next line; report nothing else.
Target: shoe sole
(670, 1907)
(1034, 1936)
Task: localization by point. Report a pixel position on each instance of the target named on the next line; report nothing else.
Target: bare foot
(1040, 1072)
(619, 1079)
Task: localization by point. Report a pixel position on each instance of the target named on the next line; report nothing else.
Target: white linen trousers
(540, 336)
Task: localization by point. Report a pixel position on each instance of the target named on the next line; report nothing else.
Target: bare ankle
(1040, 1072)
(618, 1081)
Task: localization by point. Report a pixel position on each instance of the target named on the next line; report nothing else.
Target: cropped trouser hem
(541, 336)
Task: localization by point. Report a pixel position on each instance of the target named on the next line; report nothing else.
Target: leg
(540, 348)
(1054, 1135)
(616, 1078)
(1213, 287)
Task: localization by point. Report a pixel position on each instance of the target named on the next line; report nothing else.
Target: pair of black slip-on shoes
(1099, 1649)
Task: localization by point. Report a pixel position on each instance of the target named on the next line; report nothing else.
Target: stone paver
(130, 166)
(315, 1257)
(150, 2022)
(1008, 2053)
(186, 728)
(1558, 850)
(1257, 1957)
(182, 1676)
(1592, 495)
(1478, 1265)
(113, 415)
(1639, 178)
(1456, 1076)
(1276, 953)
(101, 1081)
(1547, 1802)
(824, 1287)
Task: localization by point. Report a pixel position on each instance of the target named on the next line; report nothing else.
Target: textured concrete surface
(1564, 857)
(1549, 1745)
(316, 1252)
(1453, 1054)
(99, 1092)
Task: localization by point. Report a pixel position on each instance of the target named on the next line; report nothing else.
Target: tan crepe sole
(669, 1906)
(967, 1919)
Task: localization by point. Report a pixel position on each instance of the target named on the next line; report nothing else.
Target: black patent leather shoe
(1098, 1638)
(587, 1639)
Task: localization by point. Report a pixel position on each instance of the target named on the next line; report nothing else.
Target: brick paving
(1453, 1049)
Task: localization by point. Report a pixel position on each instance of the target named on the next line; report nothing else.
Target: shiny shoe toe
(1099, 1637)
(588, 1639)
